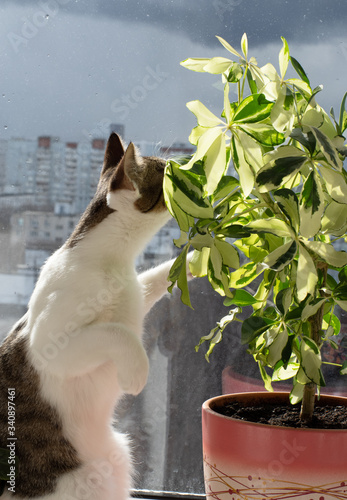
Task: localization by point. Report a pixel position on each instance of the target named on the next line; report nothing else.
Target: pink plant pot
(246, 460)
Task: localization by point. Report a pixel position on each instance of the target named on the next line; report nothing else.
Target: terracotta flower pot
(245, 460)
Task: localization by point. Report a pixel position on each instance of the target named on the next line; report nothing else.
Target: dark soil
(325, 417)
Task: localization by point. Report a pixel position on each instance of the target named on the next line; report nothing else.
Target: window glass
(72, 71)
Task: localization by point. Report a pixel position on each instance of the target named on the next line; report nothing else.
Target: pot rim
(206, 407)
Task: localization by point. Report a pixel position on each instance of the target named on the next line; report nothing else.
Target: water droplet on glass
(5, 127)
(47, 16)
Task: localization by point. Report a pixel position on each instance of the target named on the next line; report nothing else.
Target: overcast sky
(70, 67)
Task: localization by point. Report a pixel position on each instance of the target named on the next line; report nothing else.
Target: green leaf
(229, 253)
(282, 372)
(297, 393)
(253, 108)
(252, 327)
(327, 253)
(343, 370)
(244, 45)
(216, 274)
(215, 163)
(182, 240)
(240, 298)
(217, 65)
(244, 275)
(311, 360)
(343, 117)
(274, 226)
(195, 64)
(280, 168)
(301, 86)
(234, 231)
(276, 347)
(335, 183)
(284, 58)
(311, 308)
(252, 151)
(327, 147)
(180, 190)
(198, 264)
(215, 336)
(178, 274)
(289, 205)
(306, 279)
(266, 378)
(205, 142)
(300, 70)
(169, 192)
(307, 140)
(226, 186)
(283, 300)
(332, 321)
(311, 206)
(281, 257)
(242, 167)
(196, 133)
(205, 338)
(227, 46)
(334, 220)
(204, 116)
(235, 73)
(283, 112)
(263, 133)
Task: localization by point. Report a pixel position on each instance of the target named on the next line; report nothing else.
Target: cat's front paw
(133, 378)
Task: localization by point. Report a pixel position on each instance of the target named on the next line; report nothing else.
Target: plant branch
(315, 321)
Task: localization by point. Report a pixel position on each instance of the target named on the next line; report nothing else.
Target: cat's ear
(114, 152)
(125, 174)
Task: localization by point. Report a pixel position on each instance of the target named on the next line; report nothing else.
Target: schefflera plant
(263, 203)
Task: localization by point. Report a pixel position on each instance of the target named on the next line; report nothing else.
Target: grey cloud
(263, 20)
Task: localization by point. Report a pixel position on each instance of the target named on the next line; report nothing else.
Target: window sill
(165, 495)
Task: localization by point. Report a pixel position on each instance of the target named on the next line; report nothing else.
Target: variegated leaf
(327, 253)
(335, 183)
(273, 226)
(311, 206)
(327, 147)
(306, 276)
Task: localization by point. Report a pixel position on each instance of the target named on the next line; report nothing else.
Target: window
(72, 70)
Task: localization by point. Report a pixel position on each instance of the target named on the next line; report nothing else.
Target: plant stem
(308, 400)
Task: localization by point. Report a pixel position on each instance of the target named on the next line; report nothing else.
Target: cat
(78, 348)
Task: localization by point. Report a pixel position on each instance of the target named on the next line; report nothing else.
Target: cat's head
(130, 189)
(141, 176)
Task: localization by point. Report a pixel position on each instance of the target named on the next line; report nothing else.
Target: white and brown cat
(79, 348)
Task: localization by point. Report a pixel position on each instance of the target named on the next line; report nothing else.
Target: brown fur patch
(44, 453)
(151, 185)
(94, 214)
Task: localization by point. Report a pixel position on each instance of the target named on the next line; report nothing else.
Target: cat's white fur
(85, 332)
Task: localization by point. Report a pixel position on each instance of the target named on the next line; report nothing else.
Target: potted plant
(263, 203)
